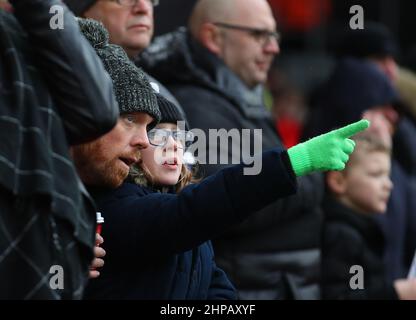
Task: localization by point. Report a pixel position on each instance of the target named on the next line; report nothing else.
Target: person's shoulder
(197, 93)
(341, 232)
(204, 106)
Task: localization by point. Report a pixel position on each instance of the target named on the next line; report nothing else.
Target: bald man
(248, 53)
(216, 69)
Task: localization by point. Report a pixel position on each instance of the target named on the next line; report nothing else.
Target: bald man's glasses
(262, 36)
(131, 3)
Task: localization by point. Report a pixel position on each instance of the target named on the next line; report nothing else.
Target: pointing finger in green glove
(329, 151)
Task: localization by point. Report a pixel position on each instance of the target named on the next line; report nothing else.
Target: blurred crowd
(100, 115)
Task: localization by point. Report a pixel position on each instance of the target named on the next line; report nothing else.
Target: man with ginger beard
(106, 161)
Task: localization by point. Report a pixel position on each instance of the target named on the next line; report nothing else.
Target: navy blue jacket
(158, 244)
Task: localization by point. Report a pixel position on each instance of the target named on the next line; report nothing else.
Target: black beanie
(374, 40)
(131, 86)
(78, 7)
(169, 112)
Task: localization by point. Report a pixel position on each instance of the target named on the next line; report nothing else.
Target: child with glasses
(161, 165)
(162, 169)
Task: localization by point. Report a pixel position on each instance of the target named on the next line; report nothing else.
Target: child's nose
(389, 184)
(171, 144)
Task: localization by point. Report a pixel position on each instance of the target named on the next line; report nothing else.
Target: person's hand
(99, 253)
(329, 151)
(406, 289)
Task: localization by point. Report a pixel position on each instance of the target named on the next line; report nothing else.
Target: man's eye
(129, 119)
(258, 34)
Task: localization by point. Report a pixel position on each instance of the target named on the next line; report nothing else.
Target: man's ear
(211, 38)
(336, 182)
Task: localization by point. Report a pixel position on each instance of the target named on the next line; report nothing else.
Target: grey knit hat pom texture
(95, 32)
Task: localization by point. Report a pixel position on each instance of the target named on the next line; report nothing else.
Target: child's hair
(142, 176)
(367, 142)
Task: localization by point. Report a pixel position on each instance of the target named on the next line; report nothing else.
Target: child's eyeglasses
(160, 137)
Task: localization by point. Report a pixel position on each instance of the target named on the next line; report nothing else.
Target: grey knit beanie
(131, 86)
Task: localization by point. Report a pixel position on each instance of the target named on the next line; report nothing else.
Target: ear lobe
(210, 37)
(336, 182)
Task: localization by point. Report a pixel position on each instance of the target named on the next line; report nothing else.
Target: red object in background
(5, 5)
(301, 15)
(289, 130)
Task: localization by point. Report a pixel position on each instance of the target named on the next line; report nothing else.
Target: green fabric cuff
(300, 159)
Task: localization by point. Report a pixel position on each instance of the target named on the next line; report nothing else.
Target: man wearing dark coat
(52, 97)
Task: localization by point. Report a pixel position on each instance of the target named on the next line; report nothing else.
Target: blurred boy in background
(350, 236)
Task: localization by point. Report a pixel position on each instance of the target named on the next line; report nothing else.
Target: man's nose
(142, 6)
(272, 46)
(140, 139)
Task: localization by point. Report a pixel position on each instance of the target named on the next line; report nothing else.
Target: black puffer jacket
(352, 239)
(274, 255)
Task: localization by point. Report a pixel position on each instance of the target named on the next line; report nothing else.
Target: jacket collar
(178, 58)
(249, 100)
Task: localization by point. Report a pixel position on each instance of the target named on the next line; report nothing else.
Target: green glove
(329, 151)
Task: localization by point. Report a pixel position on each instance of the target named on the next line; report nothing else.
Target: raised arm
(81, 88)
